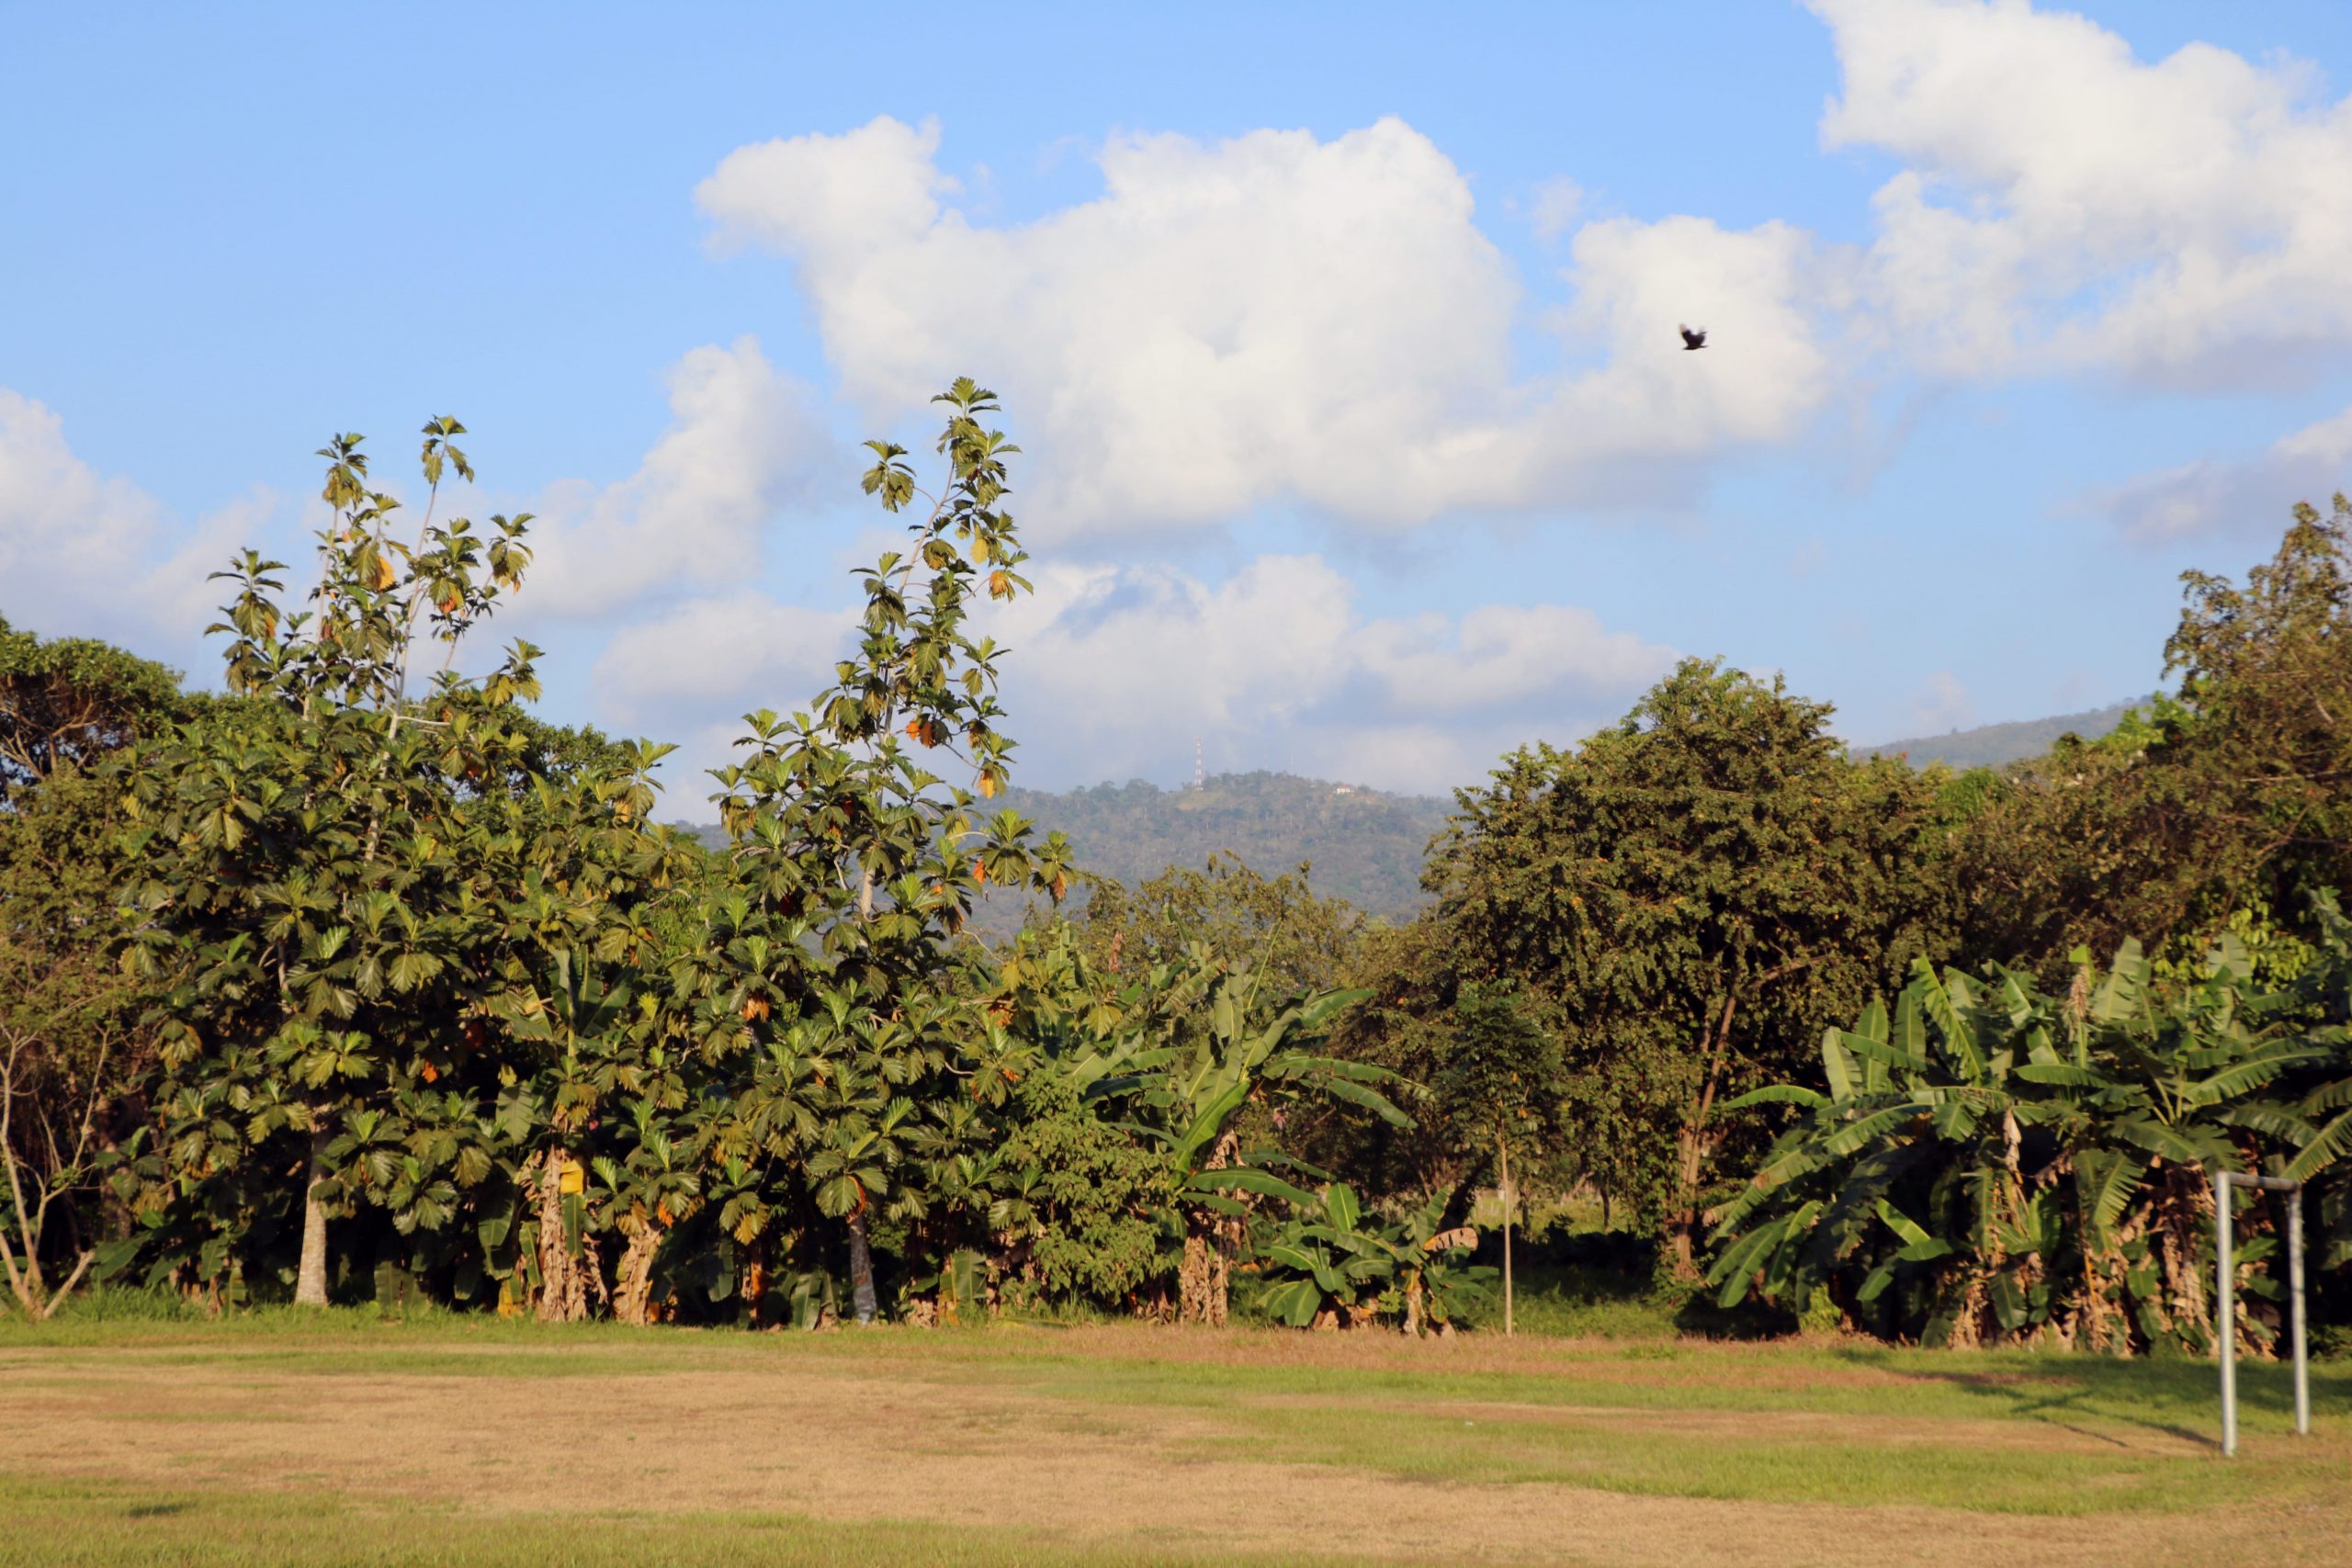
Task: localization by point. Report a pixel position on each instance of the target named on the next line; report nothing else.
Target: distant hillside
(1365, 845)
(1990, 745)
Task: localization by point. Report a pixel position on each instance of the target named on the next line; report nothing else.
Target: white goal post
(2225, 1317)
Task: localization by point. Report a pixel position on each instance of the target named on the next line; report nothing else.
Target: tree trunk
(1503, 1157)
(1204, 1279)
(311, 1279)
(861, 1268)
(633, 1303)
(564, 1277)
(1690, 1152)
(1682, 1225)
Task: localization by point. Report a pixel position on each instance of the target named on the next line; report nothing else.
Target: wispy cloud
(2244, 495)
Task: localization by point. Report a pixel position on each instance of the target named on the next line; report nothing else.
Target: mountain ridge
(1991, 745)
(1361, 845)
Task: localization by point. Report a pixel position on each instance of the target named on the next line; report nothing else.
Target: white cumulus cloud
(2065, 205)
(1276, 317)
(82, 553)
(1111, 671)
(1943, 704)
(741, 648)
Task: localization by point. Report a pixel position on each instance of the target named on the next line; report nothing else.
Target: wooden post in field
(1502, 1153)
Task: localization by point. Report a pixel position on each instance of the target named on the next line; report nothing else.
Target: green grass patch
(2172, 1396)
(1625, 1454)
(100, 1524)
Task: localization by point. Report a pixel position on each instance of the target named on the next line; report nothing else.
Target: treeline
(357, 979)
(2111, 969)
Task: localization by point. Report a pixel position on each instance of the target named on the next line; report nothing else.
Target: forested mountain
(1990, 745)
(1365, 845)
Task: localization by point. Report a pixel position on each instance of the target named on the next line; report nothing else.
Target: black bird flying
(1691, 340)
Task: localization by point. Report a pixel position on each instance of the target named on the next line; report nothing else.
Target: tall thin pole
(1502, 1152)
(2225, 1316)
(2295, 1288)
(2226, 1312)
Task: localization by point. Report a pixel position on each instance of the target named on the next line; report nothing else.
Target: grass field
(349, 1440)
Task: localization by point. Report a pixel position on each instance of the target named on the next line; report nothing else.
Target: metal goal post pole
(2225, 1319)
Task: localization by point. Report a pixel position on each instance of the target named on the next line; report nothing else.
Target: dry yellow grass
(1134, 1440)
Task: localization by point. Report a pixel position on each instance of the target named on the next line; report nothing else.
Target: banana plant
(1186, 1092)
(1990, 1163)
(1331, 1263)
(647, 1193)
(1323, 1266)
(2321, 1126)
(579, 1032)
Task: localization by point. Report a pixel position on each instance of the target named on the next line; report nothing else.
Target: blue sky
(1339, 341)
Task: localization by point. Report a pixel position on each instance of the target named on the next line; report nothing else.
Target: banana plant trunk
(633, 1297)
(564, 1282)
(311, 1277)
(1203, 1277)
(1204, 1281)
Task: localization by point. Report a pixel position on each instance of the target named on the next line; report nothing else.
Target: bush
(1092, 1199)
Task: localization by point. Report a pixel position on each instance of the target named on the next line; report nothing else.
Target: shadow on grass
(2175, 1395)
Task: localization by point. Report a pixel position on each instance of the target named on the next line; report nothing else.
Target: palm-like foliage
(1993, 1163)
(1330, 1262)
(1208, 1044)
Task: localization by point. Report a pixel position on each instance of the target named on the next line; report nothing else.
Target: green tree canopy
(2231, 792)
(1275, 924)
(72, 700)
(1687, 898)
